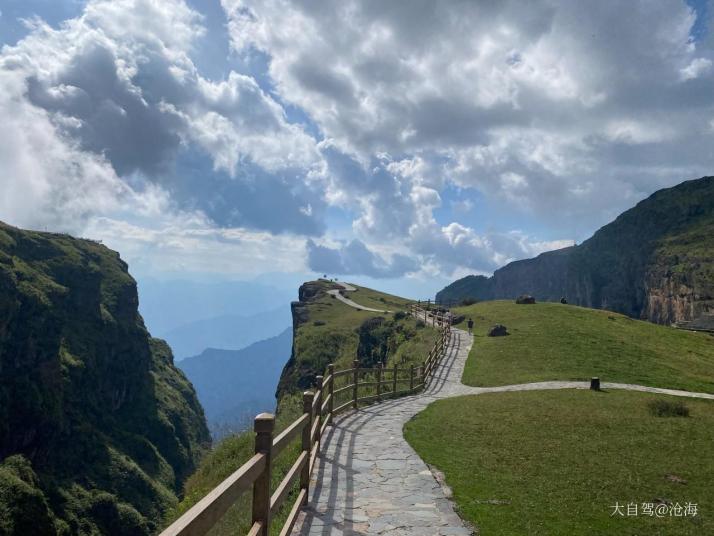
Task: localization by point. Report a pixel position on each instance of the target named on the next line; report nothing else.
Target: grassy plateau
(556, 462)
(551, 341)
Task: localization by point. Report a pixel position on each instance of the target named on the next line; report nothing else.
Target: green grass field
(550, 341)
(377, 300)
(555, 462)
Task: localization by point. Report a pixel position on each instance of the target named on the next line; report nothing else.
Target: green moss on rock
(94, 406)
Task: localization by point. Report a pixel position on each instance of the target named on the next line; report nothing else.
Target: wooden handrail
(339, 409)
(277, 498)
(317, 416)
(203, 515)
(341, 373)
(326, 405)
(255, 530)
(342, 389)
(287, 435)
(294, 512)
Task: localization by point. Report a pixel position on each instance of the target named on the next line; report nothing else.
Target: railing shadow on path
(333, 491)
(438, 382)
(326, 442)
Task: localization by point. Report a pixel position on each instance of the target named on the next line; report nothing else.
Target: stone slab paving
(368, 479)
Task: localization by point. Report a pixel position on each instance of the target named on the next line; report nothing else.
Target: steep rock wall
(98, 429)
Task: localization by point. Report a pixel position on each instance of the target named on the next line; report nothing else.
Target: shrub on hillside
(467, 301)
(400, 315)
(665, 408)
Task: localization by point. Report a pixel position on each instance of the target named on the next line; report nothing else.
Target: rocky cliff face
(544, 275)
(679, 280)
(655, 261)
(98, 429)
(298, 374)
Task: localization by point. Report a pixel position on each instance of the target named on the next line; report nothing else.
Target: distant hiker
(471, 325)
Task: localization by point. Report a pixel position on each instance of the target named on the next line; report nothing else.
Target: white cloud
(564, 112)
(190, 244)
(116, 97)
(355, 258)
(592, 104)
(696, 68)
(47, 181)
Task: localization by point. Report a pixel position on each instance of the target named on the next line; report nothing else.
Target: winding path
(370, 481)
(349, 288)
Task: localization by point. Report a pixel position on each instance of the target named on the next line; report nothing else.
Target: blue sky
(398, 144)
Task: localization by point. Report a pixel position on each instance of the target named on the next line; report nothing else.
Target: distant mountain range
(655, 261)
(233, 386)
(193, 315)
(227, 332)
(167, 304)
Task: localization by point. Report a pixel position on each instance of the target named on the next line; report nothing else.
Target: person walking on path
(471, 326)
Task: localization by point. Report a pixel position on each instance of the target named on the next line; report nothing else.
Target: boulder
(499, 330)
(457, 319)
(525, 299)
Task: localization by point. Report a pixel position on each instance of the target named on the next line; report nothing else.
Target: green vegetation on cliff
(550, 341)
(555, 462)
(325, 331)
(655, 261)
(98, 429)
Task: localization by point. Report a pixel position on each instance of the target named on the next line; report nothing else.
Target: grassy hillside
(551, 341)
(377, 300)
(325, 331)
(554, 462)
(230, 454)
(653, 261)
(328, 331)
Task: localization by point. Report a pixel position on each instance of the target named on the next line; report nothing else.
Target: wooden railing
(318, 413)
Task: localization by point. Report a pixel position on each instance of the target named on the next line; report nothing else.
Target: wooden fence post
(318, 411)
(379, 382)
(307, 398)
(355, 377)
(411, 378)
(331, 405)
(264, 425)
(394, 381)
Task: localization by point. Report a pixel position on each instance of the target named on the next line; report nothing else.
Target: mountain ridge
(654, 261)
(235, 385)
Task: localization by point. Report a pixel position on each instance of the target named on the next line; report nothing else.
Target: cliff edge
(98, 429)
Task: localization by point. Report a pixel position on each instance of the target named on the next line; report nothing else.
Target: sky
(398, 144)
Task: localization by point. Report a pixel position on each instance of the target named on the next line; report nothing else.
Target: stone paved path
(350, 288)
(370, 481)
